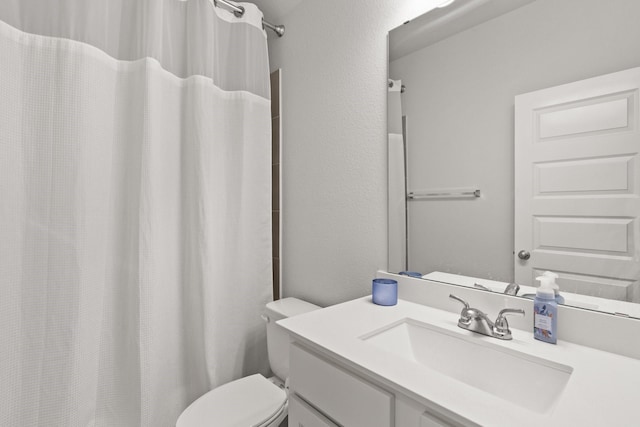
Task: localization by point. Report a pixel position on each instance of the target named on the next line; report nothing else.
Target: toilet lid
(245, 402)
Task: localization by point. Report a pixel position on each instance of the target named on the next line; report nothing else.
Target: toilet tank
(278, 337)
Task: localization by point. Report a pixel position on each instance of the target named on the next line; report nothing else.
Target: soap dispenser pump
(545, 311)
(552, 282)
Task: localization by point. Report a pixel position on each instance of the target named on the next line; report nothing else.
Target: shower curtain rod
(239, 11)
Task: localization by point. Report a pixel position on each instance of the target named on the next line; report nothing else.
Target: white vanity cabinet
(411, 414)
(335, 393)
(301, 414)
(323, 393)
(357, 364)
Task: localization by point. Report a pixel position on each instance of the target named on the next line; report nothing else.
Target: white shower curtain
(135, 208)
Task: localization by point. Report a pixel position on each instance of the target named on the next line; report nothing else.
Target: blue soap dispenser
(545, 312)
(552, 283)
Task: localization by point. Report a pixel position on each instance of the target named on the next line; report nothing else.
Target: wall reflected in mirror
(452, 132)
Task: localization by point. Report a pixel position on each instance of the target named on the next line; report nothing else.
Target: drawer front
(302, 414)
(342, 396)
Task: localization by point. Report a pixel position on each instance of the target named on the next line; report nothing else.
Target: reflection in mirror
(397, 177)
(535, 104)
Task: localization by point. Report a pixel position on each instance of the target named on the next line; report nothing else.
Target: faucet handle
(464, 314)
(506, 311)
(466, 304)
(501, 326)
(481, 286)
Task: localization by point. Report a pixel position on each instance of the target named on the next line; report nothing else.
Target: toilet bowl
(253, 401)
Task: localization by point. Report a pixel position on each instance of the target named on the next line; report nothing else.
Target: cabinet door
(412, 414)
(346, 398)
(301, 414)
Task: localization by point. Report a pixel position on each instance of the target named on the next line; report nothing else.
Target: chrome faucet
(475, 320)
(511, 289)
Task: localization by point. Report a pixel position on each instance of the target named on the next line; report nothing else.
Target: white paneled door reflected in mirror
(519, 125)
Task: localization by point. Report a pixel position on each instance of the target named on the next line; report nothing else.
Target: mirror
(454, 199)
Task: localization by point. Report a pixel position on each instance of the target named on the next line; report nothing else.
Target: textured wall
(334, 64)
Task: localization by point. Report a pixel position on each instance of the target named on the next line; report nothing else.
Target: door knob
(524, 255)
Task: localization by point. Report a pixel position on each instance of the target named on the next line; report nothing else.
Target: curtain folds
(189, 37)
(135, 208)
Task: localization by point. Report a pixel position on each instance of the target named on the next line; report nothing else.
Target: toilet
(253, 401)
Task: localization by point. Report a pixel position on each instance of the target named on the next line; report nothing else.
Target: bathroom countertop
(602, 389)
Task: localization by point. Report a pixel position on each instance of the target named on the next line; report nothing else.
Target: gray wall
(459, 104)
(334, 155)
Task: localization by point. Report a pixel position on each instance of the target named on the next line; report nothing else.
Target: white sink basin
(530, 382)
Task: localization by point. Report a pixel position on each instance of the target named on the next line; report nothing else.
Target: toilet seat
(251, 401)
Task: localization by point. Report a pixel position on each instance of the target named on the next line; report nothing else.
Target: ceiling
(439, 24)
(275, 10)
